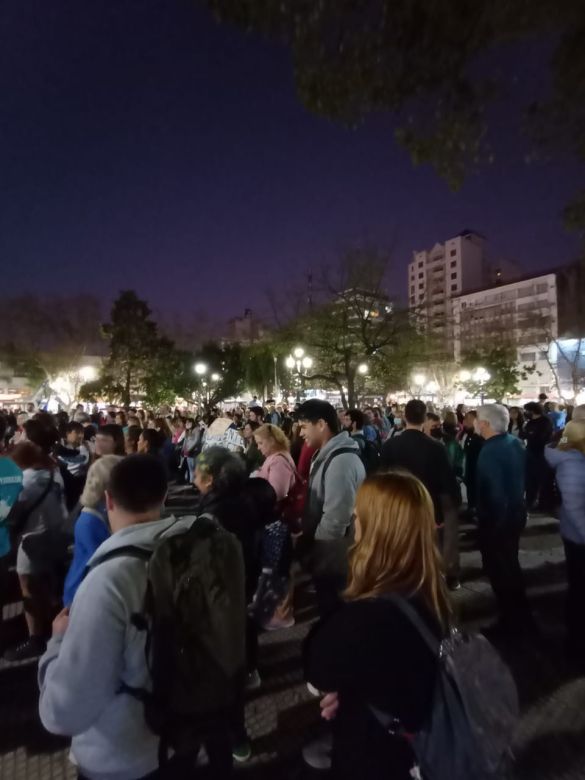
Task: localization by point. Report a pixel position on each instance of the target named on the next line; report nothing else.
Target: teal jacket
(501, 480)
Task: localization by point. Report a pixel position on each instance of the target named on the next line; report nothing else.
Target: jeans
(190, 468)
(575, 606)
(499, 542)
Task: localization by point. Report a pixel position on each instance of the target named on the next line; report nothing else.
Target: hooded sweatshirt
(82, 672)
(329, 507)
(51, 513)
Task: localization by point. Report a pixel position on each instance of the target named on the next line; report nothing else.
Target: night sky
(144, 146)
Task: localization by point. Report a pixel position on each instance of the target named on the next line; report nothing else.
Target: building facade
(523, 314)
(437, 275)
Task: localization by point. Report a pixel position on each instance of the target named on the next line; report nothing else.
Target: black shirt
(369, 653)
(537, 433)
(427, 459)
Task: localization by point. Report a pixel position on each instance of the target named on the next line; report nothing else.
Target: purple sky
(143, 146)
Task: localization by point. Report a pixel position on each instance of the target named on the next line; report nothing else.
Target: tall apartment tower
(437, 275)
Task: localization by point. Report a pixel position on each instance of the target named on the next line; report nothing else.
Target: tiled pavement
(550, 742)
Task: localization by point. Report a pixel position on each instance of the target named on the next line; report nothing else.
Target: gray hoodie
(330, 503)
(82, 671)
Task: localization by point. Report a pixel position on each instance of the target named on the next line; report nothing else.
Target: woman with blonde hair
(92, 526)
(368, 654)
(280, 472)
(278, 468)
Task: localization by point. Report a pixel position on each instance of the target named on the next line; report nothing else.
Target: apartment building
(523, 313)
(437, 275)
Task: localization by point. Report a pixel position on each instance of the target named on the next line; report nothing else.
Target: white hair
(496, 415)
(97, 480)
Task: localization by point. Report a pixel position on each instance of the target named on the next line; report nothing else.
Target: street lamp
(362, 369)
(300, 361)
(481, 376)
(215, 377)
(419, 379)
(87, 373)
(464, 376)
(200, 369)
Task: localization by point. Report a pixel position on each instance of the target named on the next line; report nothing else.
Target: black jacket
(537, 433)
(370, 653)
(471, 449)
(427, 459)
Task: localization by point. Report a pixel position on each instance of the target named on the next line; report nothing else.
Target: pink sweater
(279, 470)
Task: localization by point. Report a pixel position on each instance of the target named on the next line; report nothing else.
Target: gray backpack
(474, 709)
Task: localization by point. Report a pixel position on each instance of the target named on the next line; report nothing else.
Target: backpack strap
(332, 456)
(391, 723)
(416, 621)
(131, 551)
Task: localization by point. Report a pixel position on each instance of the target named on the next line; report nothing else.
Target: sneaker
(276, 623)
(317, 754)
(242, 752)
(31, 648)
(453, 583)
(254, 681)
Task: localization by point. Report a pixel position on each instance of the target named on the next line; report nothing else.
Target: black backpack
(474, 711)
(194, 616)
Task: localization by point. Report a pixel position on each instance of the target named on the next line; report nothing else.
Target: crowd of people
(365, 502)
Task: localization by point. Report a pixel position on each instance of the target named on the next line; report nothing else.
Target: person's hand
(329, 705)
(61, 622)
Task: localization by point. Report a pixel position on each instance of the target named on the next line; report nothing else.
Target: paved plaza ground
(550, 742)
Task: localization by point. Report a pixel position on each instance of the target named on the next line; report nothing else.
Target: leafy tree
(358, 324)
(140, 362)
(500, 361)
(227, 363)
(42, 338)
(419, 60)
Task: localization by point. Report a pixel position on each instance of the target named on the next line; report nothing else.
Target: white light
(290, 362)
(215, 377)
(307, 362)
(465, 376)
(481, 375)
(419, 379)
(298, 352)
(432, 386)
(362, 369)
(200, 368)
(87, 373)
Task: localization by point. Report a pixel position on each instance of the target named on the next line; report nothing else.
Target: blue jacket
(91, 529)
(500, 480)
(569, 467)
